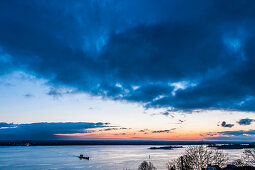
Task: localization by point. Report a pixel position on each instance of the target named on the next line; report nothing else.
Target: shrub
(146, 166)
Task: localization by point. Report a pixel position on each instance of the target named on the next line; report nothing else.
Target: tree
(248, 157)
(237, 162)
(198, 157)
(177, 164)
(146, 166)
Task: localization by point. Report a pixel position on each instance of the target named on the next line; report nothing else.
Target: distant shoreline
(110, 142)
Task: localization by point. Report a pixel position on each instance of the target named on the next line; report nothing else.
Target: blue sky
(134, 65)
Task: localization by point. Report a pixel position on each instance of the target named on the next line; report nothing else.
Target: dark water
(102, 157)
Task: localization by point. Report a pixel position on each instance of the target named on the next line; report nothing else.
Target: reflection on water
(102, 157)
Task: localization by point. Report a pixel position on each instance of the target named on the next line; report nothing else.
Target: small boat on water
(83, 157)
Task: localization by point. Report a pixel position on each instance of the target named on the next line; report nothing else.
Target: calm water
(101, 157)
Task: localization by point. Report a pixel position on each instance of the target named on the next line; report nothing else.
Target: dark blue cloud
(225, 124)
(28, 95)
(6, 125)
(45, 130)
(232, 138)
(113, 129)
(161, 131)
(101, 48)
(245, 121)
(239, 135)
(110, 129)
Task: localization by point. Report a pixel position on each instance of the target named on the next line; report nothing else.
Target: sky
(110, 69)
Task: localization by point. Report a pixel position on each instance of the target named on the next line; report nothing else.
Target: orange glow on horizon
(136, 135)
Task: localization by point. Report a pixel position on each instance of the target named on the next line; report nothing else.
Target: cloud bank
(235, 135)
(180, 55)
(45, 130)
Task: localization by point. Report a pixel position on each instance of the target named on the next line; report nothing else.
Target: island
(165, 147)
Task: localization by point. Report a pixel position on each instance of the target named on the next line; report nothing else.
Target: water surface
(102, 157)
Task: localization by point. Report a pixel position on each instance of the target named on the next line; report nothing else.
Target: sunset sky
(127, 69)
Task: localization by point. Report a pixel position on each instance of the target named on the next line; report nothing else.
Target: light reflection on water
(102, 157)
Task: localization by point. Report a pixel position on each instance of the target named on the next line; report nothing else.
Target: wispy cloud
(238, 132)
(143, 130)
(163, 131)
(238, 135)
(28, 95)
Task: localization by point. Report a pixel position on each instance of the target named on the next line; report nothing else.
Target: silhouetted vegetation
(203, 158)
(198, 157)
(247, 158)
(146, 166)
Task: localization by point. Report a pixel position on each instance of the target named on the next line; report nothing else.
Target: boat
(83, 157)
